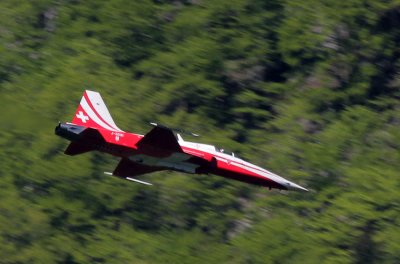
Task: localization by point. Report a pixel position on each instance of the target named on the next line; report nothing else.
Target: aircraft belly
(176, 161)
(179, 166)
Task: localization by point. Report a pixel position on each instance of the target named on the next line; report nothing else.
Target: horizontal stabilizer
(87, 140)
(75, 148)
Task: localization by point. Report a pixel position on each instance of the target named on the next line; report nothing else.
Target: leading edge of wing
(160, 137)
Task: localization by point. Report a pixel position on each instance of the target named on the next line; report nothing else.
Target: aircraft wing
(128, 168)
(159, 150)
(86, 138)
(160, 137)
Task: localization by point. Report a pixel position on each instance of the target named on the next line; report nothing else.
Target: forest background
(307, 89)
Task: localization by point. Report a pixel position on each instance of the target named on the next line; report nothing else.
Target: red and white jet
(93, 128)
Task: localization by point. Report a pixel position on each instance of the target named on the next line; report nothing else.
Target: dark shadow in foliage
(137, 44)
(322, 179)
(144, 211)
(59, 219)
(20, 241)
(81, 193)
(4, 74)
(389, 24)
(97, 160)
(82, 228)
(389, 21)
(54, 151)
(69, 259)
(46, 19)
(366, 249)
(277, 70)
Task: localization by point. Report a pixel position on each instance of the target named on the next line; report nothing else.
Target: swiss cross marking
(82, 117)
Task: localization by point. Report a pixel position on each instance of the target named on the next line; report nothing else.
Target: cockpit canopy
(205, 147)
(228, 152)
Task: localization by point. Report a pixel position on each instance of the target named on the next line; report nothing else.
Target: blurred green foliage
(309, 90)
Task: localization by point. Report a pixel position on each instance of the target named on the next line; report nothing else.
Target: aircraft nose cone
(295, 187)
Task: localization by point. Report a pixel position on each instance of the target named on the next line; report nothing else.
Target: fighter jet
(93, 129)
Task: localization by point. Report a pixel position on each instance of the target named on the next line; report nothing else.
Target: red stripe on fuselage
(252, 179)
(232, 171)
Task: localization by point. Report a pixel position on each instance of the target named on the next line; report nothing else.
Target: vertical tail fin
(92, 112)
